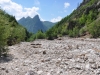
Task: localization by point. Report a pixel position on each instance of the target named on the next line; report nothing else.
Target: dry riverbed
(65, 56)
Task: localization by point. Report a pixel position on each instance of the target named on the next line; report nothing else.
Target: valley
(34, 47)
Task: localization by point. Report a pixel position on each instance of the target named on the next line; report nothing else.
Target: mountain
(34, 24)
(84, 21)
(48, 24)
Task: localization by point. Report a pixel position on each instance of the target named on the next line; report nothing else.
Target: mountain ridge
(34, 24)
(85, 20)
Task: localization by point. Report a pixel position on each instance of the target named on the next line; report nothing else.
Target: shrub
(94, 29)
(75, 32)
(40, 35)
(83, 31)
(31, 38)
(70, 33)
(3, 50)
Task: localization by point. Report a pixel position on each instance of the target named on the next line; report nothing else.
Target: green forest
(10, 31)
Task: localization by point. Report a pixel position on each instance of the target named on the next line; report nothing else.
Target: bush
(75, 32)
(70, 33)
(3, 50)
(82, 31)
(94, 29)
(40, 35)
(31, 38)
(49, 34)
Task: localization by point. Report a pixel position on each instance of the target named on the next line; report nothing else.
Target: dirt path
(67, 56)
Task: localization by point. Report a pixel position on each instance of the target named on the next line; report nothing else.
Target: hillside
(34, 24)
(48, 24)
(10, 31)
(84, 21)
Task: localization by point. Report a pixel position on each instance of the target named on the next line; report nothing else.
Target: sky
(48, 10)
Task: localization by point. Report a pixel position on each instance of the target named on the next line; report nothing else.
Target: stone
(78, 67)
(99, 10)
(98, 3)
(94, 66)
(30, 72)
(87, 66)
(40, 72)
(69, 56)
(98, 72)
(3, 68)
(44, 52)
(7, 71)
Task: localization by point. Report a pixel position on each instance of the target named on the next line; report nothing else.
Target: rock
(36, 45)
(87, 66)
(59, 38)
(85, 1)
(31, 73)
(69, 56)
(7, 71)
(99, 10)
(78, 67)
(3, 68)
(98, 72)
(39, 72)
(98, 3)
(44, 52)
(48, 73)
(91, 61)
(80, 60)
(94, 66)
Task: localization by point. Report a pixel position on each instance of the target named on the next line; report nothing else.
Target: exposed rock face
(95, 5)
(85, 1)
(98, 3)
(68, 56)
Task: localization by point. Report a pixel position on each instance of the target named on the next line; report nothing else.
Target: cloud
(56, 19)
(66, 5)
(18, 10)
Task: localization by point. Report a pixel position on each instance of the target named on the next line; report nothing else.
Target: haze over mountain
(48, 24)
(35, 24)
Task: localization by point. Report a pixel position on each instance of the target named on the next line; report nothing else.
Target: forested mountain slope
(85, 20)
(10, 31)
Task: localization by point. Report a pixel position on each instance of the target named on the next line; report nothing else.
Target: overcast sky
(49, 10)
